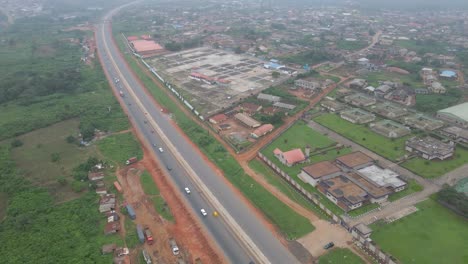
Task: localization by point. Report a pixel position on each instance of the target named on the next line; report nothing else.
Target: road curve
(182, 160)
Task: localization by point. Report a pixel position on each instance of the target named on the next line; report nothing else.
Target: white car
(161, 150)
(187, 190)
(203, 212)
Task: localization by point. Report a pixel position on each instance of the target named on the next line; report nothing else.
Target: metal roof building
(457, 114)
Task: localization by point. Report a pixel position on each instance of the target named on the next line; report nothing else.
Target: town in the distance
(243, 132)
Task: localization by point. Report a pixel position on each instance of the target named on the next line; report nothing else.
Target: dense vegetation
(457, 201)
(37, 231)
(43, 80)
(310, 57)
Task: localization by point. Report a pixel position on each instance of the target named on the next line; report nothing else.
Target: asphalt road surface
(234, 251)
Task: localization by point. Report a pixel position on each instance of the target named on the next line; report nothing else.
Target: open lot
(340, 255)
(431, 235)
(245, 75)
(436, 168)
(391, 149)
(34, 157)
(151, 189)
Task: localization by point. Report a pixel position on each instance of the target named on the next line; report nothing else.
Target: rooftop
(341, 187)
(321, 169)
(371, 188)
(382, 177)
(354, 159)
(460, 111)
(143, 45)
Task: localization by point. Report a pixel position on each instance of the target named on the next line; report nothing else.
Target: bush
(78, 186)
(16, 143)
(55, 157)
(62, 180)
(71, 139)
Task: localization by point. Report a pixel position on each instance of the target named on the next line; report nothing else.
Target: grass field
(131, 237)
(432, 235)
(362, 135)
(433, 102)
(364, 209)
(373, 78)
(149, 187)
(299, 136)
(3, 205)
(33, 158)
(340, 256)
(120, 147)
(161, 207)
(351, 45)
(432, 169)
(291, 224)
(413, 187)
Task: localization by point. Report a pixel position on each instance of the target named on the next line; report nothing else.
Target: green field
(120, 147)
(431, 103)
(340, 256)
(413, 187)
(436, 168)
(351, 45)
(151, 189)
(423, 46)
(432, 235)
(299, 136)
(291, 224)
(3, 205)
(33, 158)
(147, 182)
(412, 80)
(364, 209)
(391, 149)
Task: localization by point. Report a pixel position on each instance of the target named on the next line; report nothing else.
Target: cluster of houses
(394, 121)
(243, 114)
(107, 206)
(351, 181)
(311, 86)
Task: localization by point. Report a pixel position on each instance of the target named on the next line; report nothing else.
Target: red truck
(148, 236)
(131, 160)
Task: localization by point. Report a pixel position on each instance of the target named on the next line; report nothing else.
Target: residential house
(317, 172)
(290, 158)
(262, 130)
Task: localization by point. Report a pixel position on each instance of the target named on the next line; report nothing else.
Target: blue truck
(131, 212)
(141, 234)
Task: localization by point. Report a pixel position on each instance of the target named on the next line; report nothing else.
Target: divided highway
(239, 233)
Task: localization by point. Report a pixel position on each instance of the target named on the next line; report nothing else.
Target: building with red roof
(132, 38)
(146, 47)
(262, 130)
(219, 118)
(290, 158)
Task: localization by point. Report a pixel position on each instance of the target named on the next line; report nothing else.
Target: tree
(71, 139)
(275, 74)
(55, 157)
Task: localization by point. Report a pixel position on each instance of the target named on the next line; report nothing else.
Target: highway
(251, 240)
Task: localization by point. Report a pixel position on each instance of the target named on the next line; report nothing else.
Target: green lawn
(3, 205)
(364, 209)
(351, 45)
(432, 235)
(291, 224)
(120, 147)
(131, 237)
(340, 256)
(413, 187)
(148, 184)
(413, 80)
(436, 168)
(389, 148)
(431, 103)
(161, 207)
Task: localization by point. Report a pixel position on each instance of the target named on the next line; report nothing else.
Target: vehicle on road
(203, 212)
(329, 245)
(169, 168)
(174, 247)
(154, 144)
(187, 190)
(161, 150)
(121, 93)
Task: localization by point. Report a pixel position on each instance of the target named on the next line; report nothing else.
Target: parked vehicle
(131, 160)
(329, 245)
(174, 247)
(149, 236)
(121, 93)
(141, 235)
(131, 212)
(147, 257)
